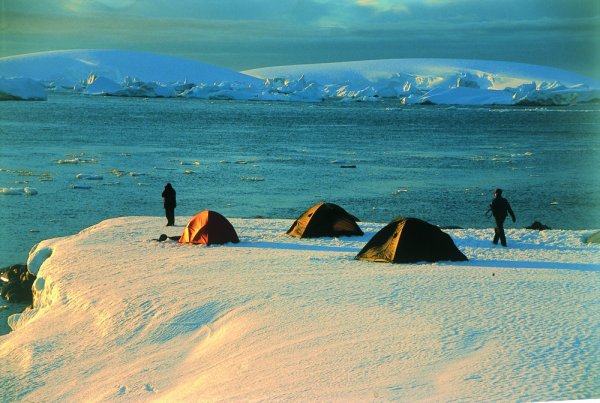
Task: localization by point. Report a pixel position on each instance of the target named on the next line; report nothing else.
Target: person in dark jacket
(500, 209)
(169, 202)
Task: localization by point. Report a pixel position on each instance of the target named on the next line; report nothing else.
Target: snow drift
(118, 315)
(409, 81)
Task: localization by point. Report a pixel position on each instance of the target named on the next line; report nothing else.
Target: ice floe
(28, 191)
(91, 177)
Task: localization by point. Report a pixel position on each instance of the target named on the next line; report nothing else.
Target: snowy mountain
(71, 67)
(442, 81)
(427, 72)
(409, 81)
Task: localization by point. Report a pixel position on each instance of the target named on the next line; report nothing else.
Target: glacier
(407, 81)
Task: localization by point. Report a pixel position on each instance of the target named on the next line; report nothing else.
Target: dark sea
(274, 160)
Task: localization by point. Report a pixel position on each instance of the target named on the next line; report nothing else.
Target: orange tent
(209, 227)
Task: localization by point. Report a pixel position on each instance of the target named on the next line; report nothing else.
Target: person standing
(170, 202)
(500, 209)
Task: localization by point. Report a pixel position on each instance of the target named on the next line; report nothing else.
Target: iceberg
(466, 96)
(128, 88)
(102, 86)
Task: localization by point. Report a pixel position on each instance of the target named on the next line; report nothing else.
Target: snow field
(119, 315)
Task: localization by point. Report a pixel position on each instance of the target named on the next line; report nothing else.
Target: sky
(245, 34)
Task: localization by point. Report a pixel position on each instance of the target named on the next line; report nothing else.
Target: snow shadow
(295, 246)
(186, 322)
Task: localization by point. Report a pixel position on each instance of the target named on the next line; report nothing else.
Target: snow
(468, 96)
(19, 88)
(409, 81)
(71, 68)
(426, 72)
(441, 81)
(118, 315)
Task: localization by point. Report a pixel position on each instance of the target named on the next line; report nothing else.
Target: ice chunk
(90, 177)
(28, 191)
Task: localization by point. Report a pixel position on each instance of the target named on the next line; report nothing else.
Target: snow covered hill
(409, 81)
(494, 75)
(72, 67)
(119, 316)
(442, 81)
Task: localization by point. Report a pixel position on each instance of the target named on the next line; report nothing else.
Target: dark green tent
(325, 220)
(410, 240)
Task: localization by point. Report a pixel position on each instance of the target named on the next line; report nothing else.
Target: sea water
(75, 160)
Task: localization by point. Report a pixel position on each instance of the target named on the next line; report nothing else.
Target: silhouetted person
(500, 209)
(170, 202)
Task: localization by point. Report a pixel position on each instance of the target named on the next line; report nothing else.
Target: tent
(209, 227)
(410, 240)
(325, 220)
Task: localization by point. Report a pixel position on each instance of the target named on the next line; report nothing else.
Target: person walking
(500, 209)
(170, 202)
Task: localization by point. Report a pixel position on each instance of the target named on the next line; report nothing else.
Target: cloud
(82, 6)
(404, 6)
(384, 5)
(254, 33)
(116, 4)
